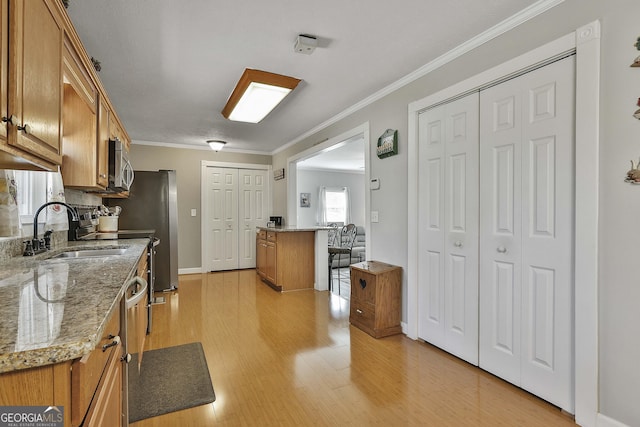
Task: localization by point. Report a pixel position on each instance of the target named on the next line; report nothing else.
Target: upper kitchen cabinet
(81, 162)
(31, 88)
(117, 131)
(89, 121)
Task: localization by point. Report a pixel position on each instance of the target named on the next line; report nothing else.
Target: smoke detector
(305, 44)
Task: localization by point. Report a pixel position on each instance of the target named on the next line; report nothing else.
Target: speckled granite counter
(52, 310)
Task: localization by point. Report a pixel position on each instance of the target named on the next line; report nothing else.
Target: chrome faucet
(35, 245)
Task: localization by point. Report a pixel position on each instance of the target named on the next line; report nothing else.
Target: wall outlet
(193, 212)
(374, 216)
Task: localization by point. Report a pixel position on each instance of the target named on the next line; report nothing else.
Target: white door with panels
(252, 211)
(448, 231)
(222, 210)
(526, 237)
(236, 203)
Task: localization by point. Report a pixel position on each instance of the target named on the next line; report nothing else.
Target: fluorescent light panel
(257, 94)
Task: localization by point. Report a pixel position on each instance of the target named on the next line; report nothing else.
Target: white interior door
(252, 211)
(448, 244)
(526, 223)
(222, 233)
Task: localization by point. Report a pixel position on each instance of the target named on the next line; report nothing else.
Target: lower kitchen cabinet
(285, 259)
(89, 389)
(376, 298)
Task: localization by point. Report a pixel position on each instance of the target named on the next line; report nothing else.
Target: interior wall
(310, 181)
(187, 164)
(619, 294)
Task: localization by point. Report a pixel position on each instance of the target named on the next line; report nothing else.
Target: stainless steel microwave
(120, 169)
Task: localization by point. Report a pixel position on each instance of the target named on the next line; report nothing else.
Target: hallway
(292, 359)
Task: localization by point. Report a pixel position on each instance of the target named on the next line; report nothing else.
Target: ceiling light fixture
(256, 94)
(216, 144)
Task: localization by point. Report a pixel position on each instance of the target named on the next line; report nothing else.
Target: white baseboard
(604, 421)
(195, 270)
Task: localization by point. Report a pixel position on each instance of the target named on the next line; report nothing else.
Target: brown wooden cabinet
(87, 373)
(82, 386)
(261, 253)
(376, 298)
(79, 117)
(286, 259)
(31, 48)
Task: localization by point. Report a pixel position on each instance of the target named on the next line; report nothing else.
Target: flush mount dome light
(256, 94)
(216, 144)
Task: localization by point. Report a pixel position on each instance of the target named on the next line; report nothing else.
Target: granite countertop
(289, 228)
(53, 310)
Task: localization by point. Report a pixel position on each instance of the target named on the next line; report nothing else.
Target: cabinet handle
(11, 120)
(26, 128)
(358, 311)
(126, 358)
(115, 342)
(502, 250)
(103, 175)
(458, 244)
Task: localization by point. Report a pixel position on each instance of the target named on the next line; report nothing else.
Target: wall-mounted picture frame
(387, 144)
(305, 200)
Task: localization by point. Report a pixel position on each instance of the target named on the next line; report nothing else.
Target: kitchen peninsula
(292, 258)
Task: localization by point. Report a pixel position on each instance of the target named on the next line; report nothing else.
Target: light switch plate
(193, 212)
(375, 184)
(374, 216)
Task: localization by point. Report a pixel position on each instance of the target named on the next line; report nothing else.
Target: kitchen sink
(89, 253)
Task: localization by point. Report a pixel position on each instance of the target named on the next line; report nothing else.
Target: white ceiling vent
(305, 44)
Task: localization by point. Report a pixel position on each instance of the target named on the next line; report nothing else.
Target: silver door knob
(502, 250)
(458, 244)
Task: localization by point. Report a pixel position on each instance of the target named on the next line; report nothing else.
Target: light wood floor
(292, 359)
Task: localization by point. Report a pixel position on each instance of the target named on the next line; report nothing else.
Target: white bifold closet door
(448, 231)
(527, 231)
(236, 203)
(252, 212)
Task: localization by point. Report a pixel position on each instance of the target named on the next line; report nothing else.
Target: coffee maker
(276, 220)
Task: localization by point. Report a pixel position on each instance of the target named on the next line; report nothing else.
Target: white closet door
(222, 210)
(252, 211)
(526, 217)
(448, 205)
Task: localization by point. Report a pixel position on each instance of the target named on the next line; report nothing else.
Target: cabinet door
(271, 273)
(4, 66)
(35, 78)
(106, 409)
(261, 256)
(103, 143)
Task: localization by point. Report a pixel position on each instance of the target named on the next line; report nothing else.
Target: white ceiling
(347, 156)
(169, 66)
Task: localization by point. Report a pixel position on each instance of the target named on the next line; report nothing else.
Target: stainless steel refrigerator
(153, 204)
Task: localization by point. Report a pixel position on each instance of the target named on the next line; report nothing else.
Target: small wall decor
(636, 62)
(305, 200)
(633, 175)
(278, 174)
(637, 113)
(387, 144)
